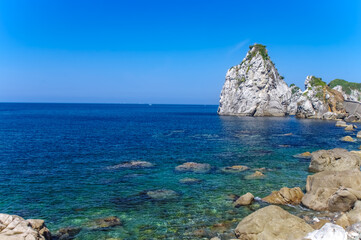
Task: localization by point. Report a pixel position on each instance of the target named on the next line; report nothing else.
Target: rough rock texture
(349, 128)
(343, 221)
(285, 196)
(328, 232)
(354, 215)
(13, 227)
(354, 231)
(318, 99)
(337, 159)
(296, 93)
(341, 201)
(244, 200)
(341, 123)
(347, 139)
(66, 233)
(350, 91)
(272, 223)
(194, 167)
(254, 87)
(322, 190)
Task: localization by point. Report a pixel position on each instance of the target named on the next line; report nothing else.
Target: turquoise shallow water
(54, 161)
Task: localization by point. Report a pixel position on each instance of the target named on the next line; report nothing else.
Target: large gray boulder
(13, 227)
(337, 159)
(254, 87)
(332, 190)
(272, 223)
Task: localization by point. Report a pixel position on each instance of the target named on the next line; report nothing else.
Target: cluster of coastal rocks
(255, 88)
(334, 191)
(13, 227)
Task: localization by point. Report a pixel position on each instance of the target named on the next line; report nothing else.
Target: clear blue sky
(166, 51)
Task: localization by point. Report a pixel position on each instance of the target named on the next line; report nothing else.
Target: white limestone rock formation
(319, 101)
(254, 87)
(296, 93)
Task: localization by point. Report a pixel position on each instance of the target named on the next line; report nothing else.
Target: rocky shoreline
(333, 192)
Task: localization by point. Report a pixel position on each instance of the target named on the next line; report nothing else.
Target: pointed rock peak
(257, 48)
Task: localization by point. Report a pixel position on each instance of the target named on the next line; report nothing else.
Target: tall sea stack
(254, 87)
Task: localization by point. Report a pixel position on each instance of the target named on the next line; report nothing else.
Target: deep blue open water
(54, 161)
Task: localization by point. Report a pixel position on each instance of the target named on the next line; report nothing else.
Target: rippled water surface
(54, 161)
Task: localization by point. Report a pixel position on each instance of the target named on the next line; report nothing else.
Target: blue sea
(55, 159)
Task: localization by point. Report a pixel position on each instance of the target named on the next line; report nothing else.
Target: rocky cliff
(254, 87)
(296, 94)
(319, 101)
(350, 90)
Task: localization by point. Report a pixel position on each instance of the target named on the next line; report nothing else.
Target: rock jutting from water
(272, 223)
(13, 227)
(337, 159)
(254, 87)
(244, 200)
(284, 196)
(332, 190)
(194, 167)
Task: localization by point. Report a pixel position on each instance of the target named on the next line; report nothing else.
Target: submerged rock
(256, 175)
(162, 194)
(234, 169)
(132, 164)
(337, 159)
(13, 227)
(306, 155)
(105, 223)
(347, 139)
(328, 232)
(194, 167)
(285, 196)
(244, 200)
(67, 233)
(190, 180)
(322, 190)
(272, 223)
(254, 87)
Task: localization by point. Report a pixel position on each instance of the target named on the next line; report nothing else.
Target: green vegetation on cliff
(259, 48)
(317, 82)
(294, 88)
(346, 86)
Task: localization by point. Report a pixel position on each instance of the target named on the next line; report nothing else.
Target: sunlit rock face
(319, 101)
(254, 87)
